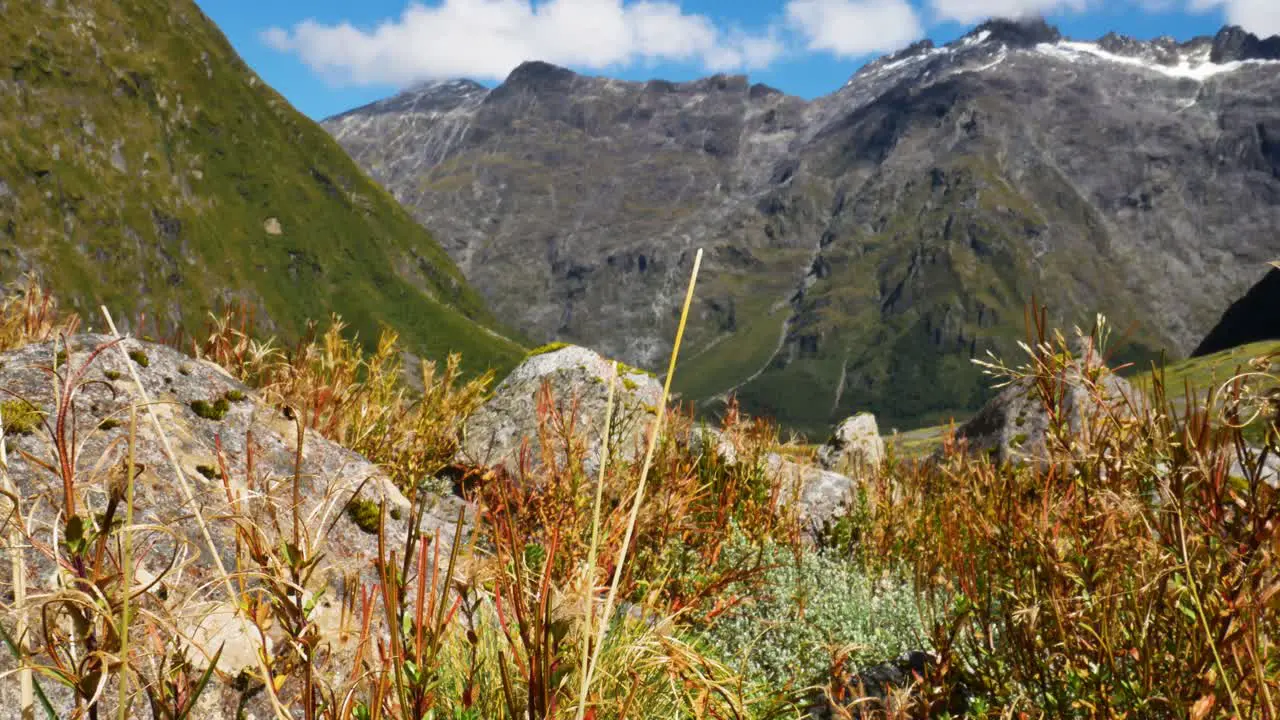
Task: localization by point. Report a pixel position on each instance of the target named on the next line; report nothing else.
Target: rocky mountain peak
(1233, 43)
(759, 91)
(721, 82)
(424, 97)
(1017, 33)
(914, 50)
(538, 76)
(1119, 44)
(458, 86)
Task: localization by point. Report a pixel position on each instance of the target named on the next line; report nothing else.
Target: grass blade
(644, 472)
(589, 592)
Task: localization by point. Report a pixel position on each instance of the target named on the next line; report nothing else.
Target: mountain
(863, 247)
(1252, 318)
(144, 166)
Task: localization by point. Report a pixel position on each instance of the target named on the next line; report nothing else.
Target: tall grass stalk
(189, 496)
(644, 472)
(26, 694)
(131, 476)
(1204, 623)
(589, 587)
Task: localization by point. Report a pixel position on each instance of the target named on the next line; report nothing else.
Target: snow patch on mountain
(1194, 66)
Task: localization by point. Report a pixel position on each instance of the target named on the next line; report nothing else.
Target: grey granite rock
(259, 446)
(575, 381)
(856, 445)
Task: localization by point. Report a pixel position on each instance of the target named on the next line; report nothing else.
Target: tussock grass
(30, 314)
(495, 626)
(1134, 574)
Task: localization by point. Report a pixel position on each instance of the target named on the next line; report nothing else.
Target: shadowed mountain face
(144, 166)
(1252, 318)
(861, 248)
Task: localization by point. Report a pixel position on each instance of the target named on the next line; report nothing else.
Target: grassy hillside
(144, 166)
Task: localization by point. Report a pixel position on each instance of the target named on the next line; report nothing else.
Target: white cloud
(971, 11)
(1260, 17)
(850, 28)
(486, 39)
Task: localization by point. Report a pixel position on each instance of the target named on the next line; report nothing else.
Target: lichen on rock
(575, 381)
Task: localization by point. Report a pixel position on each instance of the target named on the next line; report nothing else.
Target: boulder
(571, 381)
(854, 447)
(1013, 426)
(207, 417)
(707, 439)
(821, 496)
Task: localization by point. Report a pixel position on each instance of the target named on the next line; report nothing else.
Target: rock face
(855, 446)
(571, 381)
(1253, 317)
(1234, 44)
(862, 247)
(1013, 426)
(199, 408)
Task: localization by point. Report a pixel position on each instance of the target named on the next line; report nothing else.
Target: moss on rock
(19, 417)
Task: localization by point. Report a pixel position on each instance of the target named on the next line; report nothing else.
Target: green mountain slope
(144, 166)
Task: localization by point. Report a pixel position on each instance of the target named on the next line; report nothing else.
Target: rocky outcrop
(855, 447)
(569, 382)
(1234, 44)
(1014, 426)
(862, 247)
(226, 444)
(1018, 33)
(707, 439)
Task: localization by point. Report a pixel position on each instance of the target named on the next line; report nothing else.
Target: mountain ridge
(1231, 43)
(865, 245)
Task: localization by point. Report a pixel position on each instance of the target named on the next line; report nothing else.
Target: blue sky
(327, 56)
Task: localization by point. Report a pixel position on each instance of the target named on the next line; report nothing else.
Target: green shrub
(808, 607)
